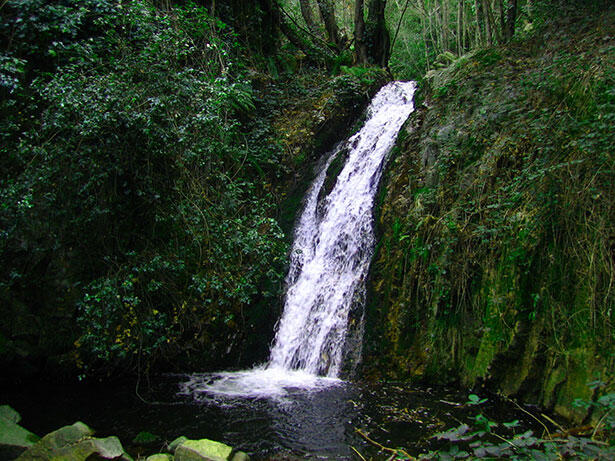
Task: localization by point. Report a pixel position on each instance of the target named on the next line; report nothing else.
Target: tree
(370, 37)
(308, 16)
(327, 13)
(377, 34)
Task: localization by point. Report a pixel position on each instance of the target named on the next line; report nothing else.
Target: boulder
(14, 439)
(202, 450)
(74, 443)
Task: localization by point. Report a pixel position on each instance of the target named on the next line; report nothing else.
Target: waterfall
(334, 242)
(330, 256)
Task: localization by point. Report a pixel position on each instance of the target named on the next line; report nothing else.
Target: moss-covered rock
(160, 457)
(74, 443)
(202, 450)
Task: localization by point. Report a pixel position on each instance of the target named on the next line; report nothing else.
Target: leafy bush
(481, 440)
(133, 182)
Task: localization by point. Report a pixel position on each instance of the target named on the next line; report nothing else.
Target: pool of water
(287, 420)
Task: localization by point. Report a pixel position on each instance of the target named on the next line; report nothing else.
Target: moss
(493, 262)
(578, 365)
(480, 366)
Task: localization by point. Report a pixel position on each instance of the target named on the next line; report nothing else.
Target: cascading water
(333, 245)
(334, 242)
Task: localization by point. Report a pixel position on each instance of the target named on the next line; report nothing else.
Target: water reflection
(309, 416)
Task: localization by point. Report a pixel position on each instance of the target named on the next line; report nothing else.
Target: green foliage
(145, 438)
(410, 55)
(474, 399)
(134, 182)
(602, 409)
(366, 75)
(478, 440)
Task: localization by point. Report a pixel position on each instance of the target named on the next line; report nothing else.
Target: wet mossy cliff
(496, 257)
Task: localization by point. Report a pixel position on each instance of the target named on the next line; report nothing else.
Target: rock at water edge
(160, 457)
(202, 450)
(14, 439)
(176, 443)
(74, 443)
(240, 456)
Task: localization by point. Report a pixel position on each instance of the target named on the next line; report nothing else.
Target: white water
(334, 243)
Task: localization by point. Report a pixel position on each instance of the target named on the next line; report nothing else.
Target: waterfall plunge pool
(298, 420)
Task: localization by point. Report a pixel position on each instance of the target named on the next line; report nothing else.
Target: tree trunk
(424, 24)
(511, 18)
(377, 36)
(486, 17)
(360, 47)
(308, 16)
(503, 34)
(311, 50)
(479, 22)
(327, 13)
(444, 26)
(459, 28)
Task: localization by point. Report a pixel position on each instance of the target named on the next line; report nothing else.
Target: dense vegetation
(126, 176)
(144, 171)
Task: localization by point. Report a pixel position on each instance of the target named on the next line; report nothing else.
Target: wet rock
(14, 439)
(74, 443)
(176, 443)
(9, 414)
(202, 450)
(240, 456)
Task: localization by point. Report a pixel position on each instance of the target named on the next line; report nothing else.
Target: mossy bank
(496, 260)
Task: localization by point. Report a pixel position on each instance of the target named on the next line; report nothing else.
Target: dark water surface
(318, 424)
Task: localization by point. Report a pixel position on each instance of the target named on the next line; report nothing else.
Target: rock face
(74, 443)
(496, 258)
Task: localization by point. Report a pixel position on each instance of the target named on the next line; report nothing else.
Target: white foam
(260, 382)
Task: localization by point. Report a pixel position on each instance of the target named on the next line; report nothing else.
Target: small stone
(240, 456)
(176, 443)
(160, 457)
(202, 450)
